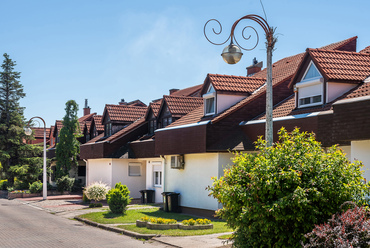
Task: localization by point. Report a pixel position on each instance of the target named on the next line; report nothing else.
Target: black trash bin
(173, 202)
(147, 196)
(165, 200)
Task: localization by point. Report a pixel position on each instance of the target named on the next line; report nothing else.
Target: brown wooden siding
(143, 149)
(181, 141)
(309, 124)
(352, 121)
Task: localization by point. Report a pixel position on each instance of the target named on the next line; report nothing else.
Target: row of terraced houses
(177, 143)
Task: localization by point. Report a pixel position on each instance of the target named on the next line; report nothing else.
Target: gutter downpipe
(164, 173)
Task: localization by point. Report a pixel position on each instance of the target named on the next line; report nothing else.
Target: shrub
(274, 197)
(96, 191)
(118, 198)
(95, 205)
(3, 184)
(85, 199)
(35, 187)
(348, 229)
(65, 183)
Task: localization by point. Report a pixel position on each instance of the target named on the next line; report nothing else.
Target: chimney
(86, 108)
(122, 102)
(254, 68)
(173, 91)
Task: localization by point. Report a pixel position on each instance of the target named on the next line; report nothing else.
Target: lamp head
(28, 131)
(232, 54)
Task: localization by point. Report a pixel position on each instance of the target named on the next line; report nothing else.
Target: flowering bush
(145, 218)
(158, 220)
(192, 222)
(96, 191)
(348, 229)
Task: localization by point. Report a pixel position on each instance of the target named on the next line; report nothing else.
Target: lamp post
(232, 55)
(28, 131)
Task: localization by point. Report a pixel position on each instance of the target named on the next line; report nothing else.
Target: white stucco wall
(360, 150)
(112, 171)
(225, 101)
(99, 170)
(191, 182)
(335, 90)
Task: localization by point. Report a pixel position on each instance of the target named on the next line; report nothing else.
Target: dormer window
(210, 101)
(108, 129)
(311, 73)
(310, 89)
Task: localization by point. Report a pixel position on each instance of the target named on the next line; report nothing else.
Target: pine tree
(16, 157)
(68, 146)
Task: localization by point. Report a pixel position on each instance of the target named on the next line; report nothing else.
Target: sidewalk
(70, 206)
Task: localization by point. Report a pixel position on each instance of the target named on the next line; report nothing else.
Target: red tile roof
(98, 123)
(180, 106)
(341, 65)
(86, 117)
(155, 106)
(282, 70)
(344, 45)
(39, 132)
(193, 91)
(234, 83)
(193, 117)
(124, 113)
(287, 107)
(365, 50)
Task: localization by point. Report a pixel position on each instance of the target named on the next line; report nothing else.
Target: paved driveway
(24, 226)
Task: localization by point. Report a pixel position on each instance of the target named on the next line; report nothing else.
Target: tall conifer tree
(68, 146)
(16, 157)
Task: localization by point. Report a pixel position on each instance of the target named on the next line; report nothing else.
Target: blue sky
(104, 51)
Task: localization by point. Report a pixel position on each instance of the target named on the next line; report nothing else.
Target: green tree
(17, 158)
(273, 197)
(68, 146)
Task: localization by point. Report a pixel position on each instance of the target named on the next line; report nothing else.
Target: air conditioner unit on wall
(177, 162)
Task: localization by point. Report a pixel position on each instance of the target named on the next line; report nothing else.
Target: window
(134, 169)
(166, 121)
(152, 126)
(312, 72)
(310, 100)
(81, 171)
(108, 129)
(210, 106)
(157, 178)
(210, 101)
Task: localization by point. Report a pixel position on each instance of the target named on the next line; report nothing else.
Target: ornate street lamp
(28, 131)
(232, 55)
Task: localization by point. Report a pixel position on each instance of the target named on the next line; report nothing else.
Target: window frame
(134, 164)
(206, 98)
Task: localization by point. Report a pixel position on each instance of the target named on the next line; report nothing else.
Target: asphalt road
(24, 226)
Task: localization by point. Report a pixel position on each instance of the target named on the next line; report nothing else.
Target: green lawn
(135, 214)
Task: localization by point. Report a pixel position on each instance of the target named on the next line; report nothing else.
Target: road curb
(117, 230)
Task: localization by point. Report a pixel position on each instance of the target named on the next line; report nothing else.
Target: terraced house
(180, 141)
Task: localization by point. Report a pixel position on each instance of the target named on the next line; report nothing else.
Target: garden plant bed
(195, 227)
(131, 216)
(155, 226)
(23, 194)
